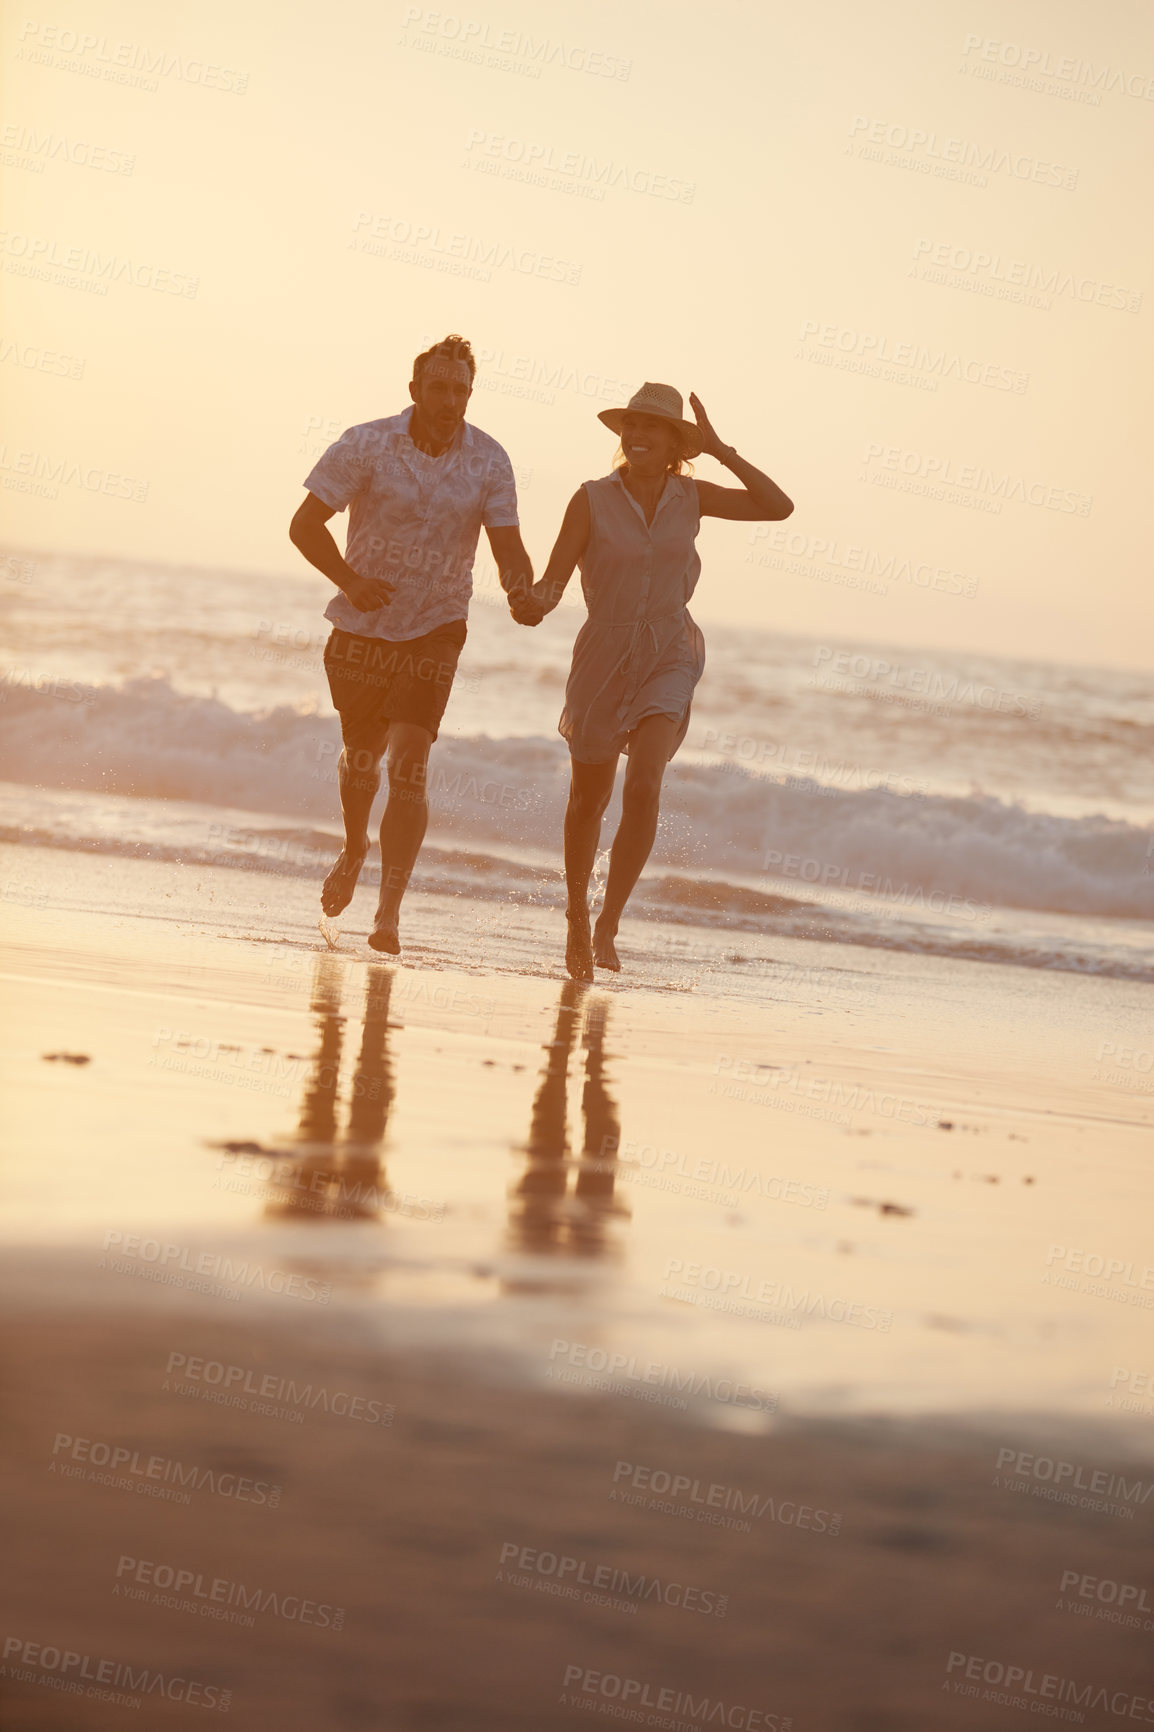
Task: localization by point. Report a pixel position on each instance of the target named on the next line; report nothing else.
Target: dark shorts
(374, 682)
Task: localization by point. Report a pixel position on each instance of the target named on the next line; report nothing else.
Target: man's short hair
(451, 348)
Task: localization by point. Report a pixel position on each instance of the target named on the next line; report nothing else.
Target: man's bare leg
(402, 827)
(358, 777)
(590, 786)
(649, 751)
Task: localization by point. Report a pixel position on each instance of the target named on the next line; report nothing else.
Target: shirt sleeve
(499, 508)
(341, 472)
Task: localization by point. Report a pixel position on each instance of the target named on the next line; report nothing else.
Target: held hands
(710, 443)
(367, 594)
(526, 607)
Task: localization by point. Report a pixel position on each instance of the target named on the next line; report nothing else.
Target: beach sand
(678, 1351)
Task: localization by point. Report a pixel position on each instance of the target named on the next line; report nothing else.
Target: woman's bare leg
(590, 786)
(649, 750)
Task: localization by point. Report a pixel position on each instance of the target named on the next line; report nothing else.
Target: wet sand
(404, 1526)
(531, 1301)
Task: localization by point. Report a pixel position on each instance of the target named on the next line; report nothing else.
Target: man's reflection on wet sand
(546, 1217)
(339, 1176)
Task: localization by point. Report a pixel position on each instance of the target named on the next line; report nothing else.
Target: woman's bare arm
(757, 499)
(570, 544)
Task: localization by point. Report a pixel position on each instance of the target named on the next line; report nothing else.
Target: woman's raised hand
(710, 443)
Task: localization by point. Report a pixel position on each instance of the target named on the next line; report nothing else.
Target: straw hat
(664, 401)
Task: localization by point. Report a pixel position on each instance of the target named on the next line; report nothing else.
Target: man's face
(441, 395)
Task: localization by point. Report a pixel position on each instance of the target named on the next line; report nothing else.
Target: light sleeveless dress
(639, 653)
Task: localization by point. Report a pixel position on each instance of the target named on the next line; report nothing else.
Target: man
(418, 487)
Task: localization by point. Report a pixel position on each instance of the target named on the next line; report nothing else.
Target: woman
(639, 655)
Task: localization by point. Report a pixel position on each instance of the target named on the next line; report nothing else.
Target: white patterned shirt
(414, 520)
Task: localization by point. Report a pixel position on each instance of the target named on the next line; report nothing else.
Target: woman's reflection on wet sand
(546, 1217)
(339, 1175)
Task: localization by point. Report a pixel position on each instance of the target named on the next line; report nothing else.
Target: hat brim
(614, 419)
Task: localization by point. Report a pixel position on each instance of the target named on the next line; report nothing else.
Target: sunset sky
(906, 282)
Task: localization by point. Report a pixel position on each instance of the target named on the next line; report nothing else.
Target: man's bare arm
(514, 568)
(308, 533)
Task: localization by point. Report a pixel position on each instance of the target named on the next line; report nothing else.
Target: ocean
(932, 801)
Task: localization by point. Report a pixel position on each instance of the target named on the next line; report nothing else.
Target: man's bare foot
(578, 948)
(385, 935)
(604, 950)
(338, 888)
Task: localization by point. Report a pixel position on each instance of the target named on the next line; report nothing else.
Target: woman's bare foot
(578, 947)
(338, 888)
(385, 935)
(604, 950)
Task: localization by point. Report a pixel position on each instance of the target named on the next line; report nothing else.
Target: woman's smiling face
(650, 444)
